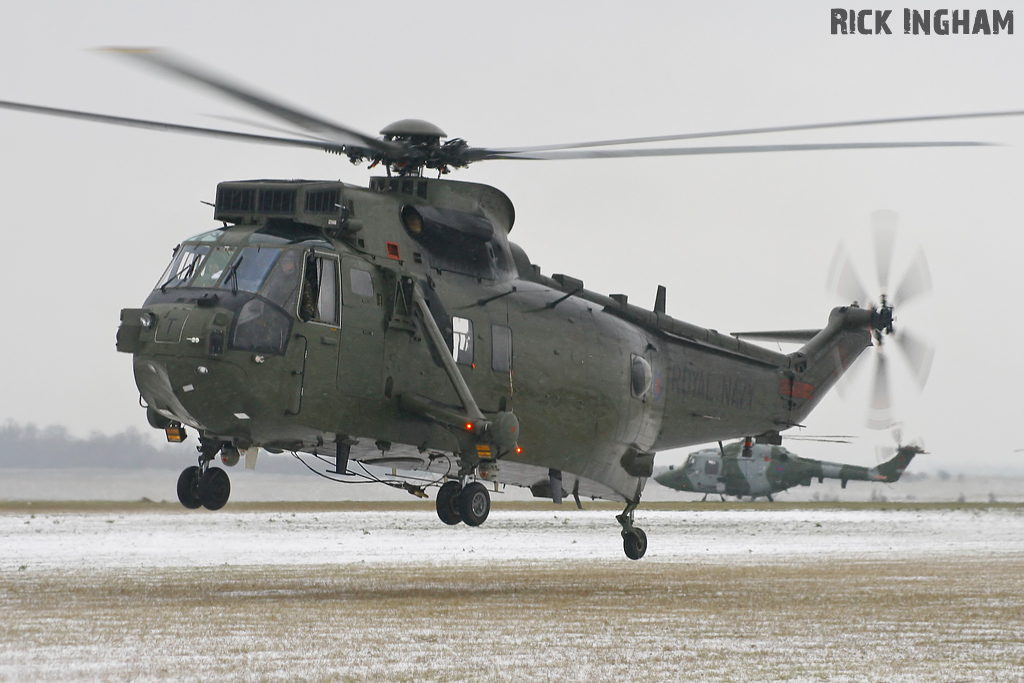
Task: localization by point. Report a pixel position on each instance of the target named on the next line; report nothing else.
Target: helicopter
(397, 326)
(743, 468)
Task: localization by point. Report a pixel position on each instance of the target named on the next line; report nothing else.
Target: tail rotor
(916, 282)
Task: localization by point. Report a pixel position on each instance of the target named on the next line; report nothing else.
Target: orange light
(519, 449)
(175, 434)
(469, 426)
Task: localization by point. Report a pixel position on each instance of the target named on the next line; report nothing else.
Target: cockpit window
(250, 269)
(213, 267)
(289, 233)
(282, 286)
(183, 266)
(211, 236)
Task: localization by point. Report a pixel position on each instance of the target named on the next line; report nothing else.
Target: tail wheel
(474, 504)
(188, 487)
(634, 543)
(447, 503)
(214, 488)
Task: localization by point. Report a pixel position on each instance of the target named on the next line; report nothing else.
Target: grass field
(935, 620)
(937, 611)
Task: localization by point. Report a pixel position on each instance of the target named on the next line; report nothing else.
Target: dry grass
(932, 619)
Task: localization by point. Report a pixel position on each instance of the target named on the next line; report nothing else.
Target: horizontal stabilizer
(785, 336)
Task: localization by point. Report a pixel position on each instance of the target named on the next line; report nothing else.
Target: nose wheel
(204, 486)
(188, 488)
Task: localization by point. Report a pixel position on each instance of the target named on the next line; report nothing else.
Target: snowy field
(373, 595)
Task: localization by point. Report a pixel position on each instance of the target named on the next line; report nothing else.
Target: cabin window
(711, 467)
(361, 282)
(183, 266)
(462, 340)
(319, 302)
(250, 269)
(501, 348)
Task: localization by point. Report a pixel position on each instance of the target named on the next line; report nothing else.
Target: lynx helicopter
(396, 325)
(744, 468)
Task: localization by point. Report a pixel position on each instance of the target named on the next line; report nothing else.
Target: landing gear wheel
(447, 502)
(188, 487)
(214, 488)
(634, 543)
(474, 504)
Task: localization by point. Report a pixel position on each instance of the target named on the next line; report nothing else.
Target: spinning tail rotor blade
(849, 378)
(880, 414)
(884, 223)
(919, 355)
(843, 278)
(917, 281)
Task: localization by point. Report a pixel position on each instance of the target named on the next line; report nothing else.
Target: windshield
(196, 265)
(182, 266)
(213, 267)
(250, 269)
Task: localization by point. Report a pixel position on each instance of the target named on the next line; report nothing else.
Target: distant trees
(28, 446)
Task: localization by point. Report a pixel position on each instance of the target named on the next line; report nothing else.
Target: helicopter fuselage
(761, 470)
(298, 327)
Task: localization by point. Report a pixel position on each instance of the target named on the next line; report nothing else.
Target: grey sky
(91, 212)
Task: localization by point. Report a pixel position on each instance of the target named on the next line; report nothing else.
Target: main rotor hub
(410, 129)
(423, 148)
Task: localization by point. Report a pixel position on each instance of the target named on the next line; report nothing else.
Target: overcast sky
(91, 213)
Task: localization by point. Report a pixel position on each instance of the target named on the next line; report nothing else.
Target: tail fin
(893, 469)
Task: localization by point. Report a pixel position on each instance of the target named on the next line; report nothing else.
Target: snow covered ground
(187, 539)
(376, 595)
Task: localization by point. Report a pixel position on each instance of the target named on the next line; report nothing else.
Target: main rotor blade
(843, 280)
(880, 413)
(172, 127)
(823, 438)
(753, 131)
(916, 281)
(481, 154)
(337, 133)
(884, 223)
(265, 126)
(919, 355)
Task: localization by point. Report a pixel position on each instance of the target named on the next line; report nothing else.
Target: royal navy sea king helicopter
(397, 325)
(756, 470)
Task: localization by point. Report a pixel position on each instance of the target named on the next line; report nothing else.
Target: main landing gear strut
(202, 485)
(457, 503)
